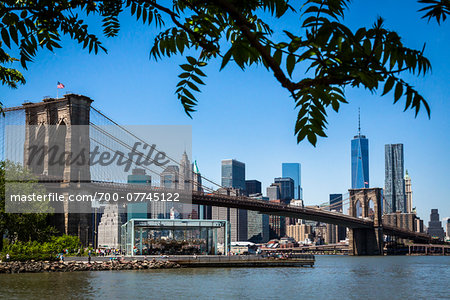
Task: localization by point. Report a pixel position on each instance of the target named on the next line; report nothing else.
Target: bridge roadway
(266, 207)
(242, 202)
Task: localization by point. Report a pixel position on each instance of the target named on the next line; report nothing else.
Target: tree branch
(245, 26)
(204, 44)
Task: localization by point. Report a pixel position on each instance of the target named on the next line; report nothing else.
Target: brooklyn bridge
(366, 230)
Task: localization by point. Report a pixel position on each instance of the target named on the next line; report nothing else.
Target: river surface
(333, 277)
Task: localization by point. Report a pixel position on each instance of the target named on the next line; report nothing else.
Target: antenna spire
(359, 122)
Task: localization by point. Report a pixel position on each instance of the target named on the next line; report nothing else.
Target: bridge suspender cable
(130, 148)
(122, 155)
(141, 140)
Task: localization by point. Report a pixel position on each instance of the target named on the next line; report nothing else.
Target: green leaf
(302, 134)
(398, 91)
(409, 97)
(191, 60)
(199, 72)
(335, 105)
(300, 124)
(193, 86)
(312, 138)
(226, 58)
(277, 56)
(409, 100)
(144, 15)
(196, 79)
(184, 75)
(188, 94)
(182, 82)
(138, 13)
(5, 37)
(180, 44)
(13, 33)
(388, 85)
(290, 63)
(187, 68)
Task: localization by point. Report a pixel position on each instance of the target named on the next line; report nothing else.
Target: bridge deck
(262, 206)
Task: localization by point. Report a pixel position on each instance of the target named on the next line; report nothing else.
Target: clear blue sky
(248, 116)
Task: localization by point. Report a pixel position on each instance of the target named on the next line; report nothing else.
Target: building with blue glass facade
(138, 210)
(293, 170)
(336, 202)
(360, 161)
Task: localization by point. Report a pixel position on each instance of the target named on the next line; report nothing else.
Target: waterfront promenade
(194, 261)
(76, 264)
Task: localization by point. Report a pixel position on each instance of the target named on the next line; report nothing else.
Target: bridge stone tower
(366, 241)
(49, 125)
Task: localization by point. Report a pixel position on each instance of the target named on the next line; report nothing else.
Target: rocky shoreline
(76, 266)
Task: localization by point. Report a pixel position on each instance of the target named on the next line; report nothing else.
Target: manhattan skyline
(261, 135)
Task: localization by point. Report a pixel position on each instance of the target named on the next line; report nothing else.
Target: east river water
(333, 277)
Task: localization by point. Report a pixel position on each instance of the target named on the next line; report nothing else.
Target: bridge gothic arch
(366, 241)
(371, 209)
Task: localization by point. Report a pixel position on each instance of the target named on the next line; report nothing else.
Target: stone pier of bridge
(366, 241)
(49, 127)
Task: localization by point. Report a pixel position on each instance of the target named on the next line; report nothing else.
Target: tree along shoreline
(77, 266)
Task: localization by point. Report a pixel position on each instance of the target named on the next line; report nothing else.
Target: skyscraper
(253, 187)
(258, 224)
(293, 170)
(336, 202)
(277, 224)
(286, 189)
(236, 216)
(394, 186)
(360, 160)
(185, 175)
(337, 233)
(273, 191)
(138, 210)
(408, 193)
(170, 180)
(448, 227)
(233, 174)
(435, 226)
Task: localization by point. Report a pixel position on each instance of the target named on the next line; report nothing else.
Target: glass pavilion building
(174, 237)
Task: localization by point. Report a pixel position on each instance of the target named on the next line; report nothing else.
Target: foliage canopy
(22, 226)
(233, 30)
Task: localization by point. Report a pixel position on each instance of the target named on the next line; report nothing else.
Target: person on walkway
(89, 256)
(7, 257)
